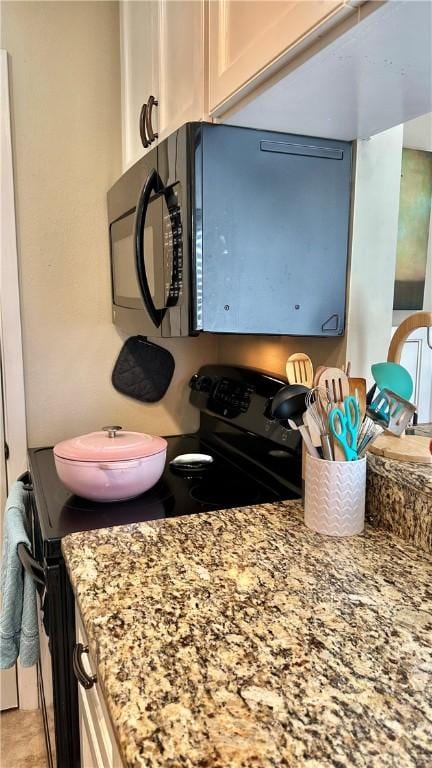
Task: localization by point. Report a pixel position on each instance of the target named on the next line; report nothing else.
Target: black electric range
(255, 460)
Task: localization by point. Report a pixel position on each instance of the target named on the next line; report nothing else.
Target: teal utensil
(392, 411)
(344, 425)
(394, 377)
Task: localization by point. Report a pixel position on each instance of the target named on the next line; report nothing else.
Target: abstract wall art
(413, 229)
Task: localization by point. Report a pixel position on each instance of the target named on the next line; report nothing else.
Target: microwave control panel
(173, 250)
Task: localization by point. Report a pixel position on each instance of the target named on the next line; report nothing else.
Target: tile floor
(22, 743)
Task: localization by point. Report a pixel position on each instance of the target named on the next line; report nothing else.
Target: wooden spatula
(357, 387)
(336, 383)
(299, 369)
(317, 374)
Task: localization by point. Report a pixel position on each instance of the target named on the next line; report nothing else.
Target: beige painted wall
(65, 90)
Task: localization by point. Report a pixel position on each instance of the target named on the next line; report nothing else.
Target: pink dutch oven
(110, 465)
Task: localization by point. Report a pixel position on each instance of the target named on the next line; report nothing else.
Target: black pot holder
(143, 370)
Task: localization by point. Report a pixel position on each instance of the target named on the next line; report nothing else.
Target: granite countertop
(399, 499)
(417, 476)
(241, 639)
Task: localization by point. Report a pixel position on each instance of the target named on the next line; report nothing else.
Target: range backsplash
(270, 353)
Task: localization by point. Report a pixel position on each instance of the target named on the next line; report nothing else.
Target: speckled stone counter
(399, 499)
(241, 639)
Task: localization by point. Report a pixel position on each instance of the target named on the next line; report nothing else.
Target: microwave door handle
(153, 183)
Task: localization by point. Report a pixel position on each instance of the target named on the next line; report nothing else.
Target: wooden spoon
(299, 369)
(357, 387)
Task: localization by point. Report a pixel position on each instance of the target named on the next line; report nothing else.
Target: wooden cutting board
(413, 448)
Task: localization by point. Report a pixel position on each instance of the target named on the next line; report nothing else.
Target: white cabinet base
(98, 745)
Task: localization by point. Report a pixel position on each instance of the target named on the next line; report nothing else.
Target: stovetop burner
(217, 496)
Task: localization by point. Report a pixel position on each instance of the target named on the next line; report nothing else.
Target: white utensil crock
(334, 501)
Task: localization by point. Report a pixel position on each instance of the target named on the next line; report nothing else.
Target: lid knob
(112, 431)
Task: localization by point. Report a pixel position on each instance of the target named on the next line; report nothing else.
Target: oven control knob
(200, 383)
(244, 404)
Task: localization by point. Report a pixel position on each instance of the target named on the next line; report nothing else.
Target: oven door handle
(153, 183)
(26, 480)
(31, 565)
(87, 681)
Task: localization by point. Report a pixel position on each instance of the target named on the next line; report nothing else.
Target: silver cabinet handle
(87, 681)
(152, 102)
(142, 126)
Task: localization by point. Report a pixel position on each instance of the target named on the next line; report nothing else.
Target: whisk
(319, 406)
(368, 432)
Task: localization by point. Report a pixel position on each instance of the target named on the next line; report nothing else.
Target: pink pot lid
(111, 444)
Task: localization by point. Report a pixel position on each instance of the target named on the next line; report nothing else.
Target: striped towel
(19, 634)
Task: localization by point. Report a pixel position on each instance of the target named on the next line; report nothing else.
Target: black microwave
(232, 230)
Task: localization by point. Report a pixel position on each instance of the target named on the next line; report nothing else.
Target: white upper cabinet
(246, 38)
(162, 56)
(181, 63)
(139, 71)
(340, 69)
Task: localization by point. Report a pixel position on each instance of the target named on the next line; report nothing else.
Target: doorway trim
(15, 427)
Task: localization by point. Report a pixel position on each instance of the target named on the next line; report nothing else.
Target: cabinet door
(139, 71)
(417, 359)
(181, 63)
(97, 740)
(245, 37)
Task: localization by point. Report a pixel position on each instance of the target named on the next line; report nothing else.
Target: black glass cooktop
(227, 482)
